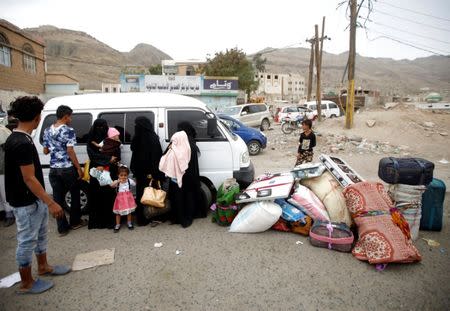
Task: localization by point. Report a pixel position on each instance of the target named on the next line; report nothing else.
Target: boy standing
(65, 171)
(307, 143)
(25, 192)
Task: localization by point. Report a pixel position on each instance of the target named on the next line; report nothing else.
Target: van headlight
(245, 157)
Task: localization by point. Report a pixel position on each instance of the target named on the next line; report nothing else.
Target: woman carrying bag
(146, 154)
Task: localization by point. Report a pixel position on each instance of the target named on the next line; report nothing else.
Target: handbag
(331, 235)
(154, 197)
(86, 176)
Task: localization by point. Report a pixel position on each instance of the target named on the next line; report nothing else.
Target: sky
(196, 29)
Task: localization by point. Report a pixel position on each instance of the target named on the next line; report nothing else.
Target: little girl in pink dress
(124, 203)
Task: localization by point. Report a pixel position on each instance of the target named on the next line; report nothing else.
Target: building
(188, 67)
(60, 84)
(111, 87)
(276, 86)
(22, 60)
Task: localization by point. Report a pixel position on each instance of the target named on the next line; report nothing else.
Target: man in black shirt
(25, 192)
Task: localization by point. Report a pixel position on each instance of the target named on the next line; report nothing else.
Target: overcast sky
(195, 28)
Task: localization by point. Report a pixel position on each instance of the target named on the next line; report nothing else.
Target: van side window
(198, 120)
(81, 123)
(124, 122)
(332, 105)
(323, 106)
(256, 108)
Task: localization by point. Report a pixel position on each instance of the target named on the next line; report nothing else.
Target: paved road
(217, 270)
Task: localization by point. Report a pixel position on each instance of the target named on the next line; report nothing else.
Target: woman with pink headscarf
(180, 163)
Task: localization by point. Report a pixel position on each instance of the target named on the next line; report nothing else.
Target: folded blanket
(383, 232)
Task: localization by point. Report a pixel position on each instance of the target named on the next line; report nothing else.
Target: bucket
(412, 216)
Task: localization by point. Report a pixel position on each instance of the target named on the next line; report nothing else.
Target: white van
(329, 108)
(223, 154)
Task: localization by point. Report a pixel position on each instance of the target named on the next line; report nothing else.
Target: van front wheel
(207, 195)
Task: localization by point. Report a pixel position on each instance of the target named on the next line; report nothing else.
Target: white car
(329, 108)
(294, 112)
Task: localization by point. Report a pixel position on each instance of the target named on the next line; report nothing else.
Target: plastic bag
(256, 217)
(103, 177)
(290, 212)
(308, 202)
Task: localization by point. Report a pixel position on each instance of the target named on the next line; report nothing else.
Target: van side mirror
(212, 130)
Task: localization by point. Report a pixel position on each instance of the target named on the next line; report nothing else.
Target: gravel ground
(217, 270)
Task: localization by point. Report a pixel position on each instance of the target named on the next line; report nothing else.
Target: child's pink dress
(124, 203)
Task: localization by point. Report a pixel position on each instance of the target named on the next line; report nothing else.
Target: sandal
(39, 286)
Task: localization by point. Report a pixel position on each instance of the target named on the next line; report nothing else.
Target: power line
(411, 44)
(411, 33)
(416, 12)
(409, 20)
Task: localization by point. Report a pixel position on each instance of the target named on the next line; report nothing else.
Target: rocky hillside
(388, 75)
(88, 60)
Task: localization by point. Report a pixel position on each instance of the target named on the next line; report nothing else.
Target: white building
(111, 87)
(276, 86)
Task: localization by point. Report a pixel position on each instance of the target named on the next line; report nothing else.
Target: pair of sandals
(40, 285)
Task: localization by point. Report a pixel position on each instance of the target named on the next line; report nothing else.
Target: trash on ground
(10, 280)
(299, 242)
(93, 259)
(177, 252)
(443, 161)
(432, 243)
(158, 245)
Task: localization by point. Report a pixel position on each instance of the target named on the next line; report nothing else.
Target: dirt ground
(217, 270)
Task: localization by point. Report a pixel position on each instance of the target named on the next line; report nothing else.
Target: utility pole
(350, 106)
(311, 68)
(318, 93)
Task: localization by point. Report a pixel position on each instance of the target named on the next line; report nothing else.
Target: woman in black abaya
(187, 202)
(101, 198)
(146, 153)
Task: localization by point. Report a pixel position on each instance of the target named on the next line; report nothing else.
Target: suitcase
(408, 171)
(433, 206)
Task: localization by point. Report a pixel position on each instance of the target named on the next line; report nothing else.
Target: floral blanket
(383, 233)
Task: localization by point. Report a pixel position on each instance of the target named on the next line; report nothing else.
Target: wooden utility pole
(318, 92)
(350, 106)
(311, 68)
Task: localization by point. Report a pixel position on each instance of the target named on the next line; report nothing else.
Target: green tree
(233, 63)
(259, 62)
(155, 69)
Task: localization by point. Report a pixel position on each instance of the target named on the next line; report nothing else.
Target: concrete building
(22, 60)
(277, 86)
(111, 88)
(60, 84)
(181, 67)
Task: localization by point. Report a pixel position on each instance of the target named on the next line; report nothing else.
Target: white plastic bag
(103, 177)
(256, 217)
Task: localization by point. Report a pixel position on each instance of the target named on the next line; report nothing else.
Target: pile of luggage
(333, 205)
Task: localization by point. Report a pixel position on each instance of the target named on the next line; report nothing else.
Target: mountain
(387, 75)
(89, 60)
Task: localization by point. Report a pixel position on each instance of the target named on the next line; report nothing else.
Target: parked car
(255, 139)
(329, 108)
(255, 115)
(294, 112)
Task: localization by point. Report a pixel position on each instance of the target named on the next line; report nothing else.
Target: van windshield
(227, 129)
(231, 111)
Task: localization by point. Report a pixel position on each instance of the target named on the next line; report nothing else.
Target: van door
(123, 121)
(216, 158)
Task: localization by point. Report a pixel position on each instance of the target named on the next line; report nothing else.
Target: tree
(259, 62)
(155, 69)
(233, 63)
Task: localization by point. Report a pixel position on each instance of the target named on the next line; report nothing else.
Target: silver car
(255, 115)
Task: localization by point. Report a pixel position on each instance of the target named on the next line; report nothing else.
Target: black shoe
(130, 226)
(116, 228)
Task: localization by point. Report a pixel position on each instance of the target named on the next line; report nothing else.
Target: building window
(106, 90)
(29, 61)
(276, 77)
(114, 90)
(268, 77)
(5, 52)
(262, 76)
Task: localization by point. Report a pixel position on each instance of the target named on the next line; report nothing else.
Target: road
(217, 270)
